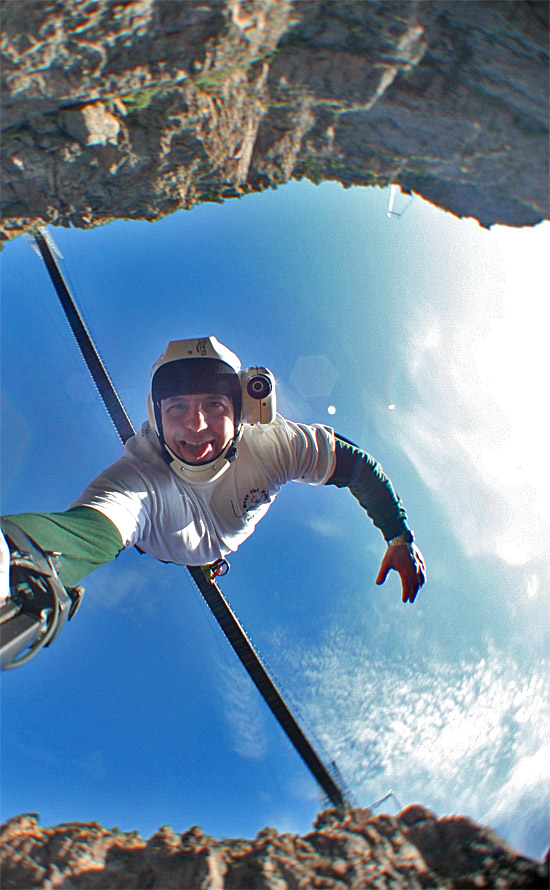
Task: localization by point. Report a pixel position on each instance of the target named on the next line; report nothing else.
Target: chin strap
(39, 605)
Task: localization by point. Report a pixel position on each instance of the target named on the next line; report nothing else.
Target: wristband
(406, 538)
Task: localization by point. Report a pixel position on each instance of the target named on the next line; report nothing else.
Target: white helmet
(205, 365)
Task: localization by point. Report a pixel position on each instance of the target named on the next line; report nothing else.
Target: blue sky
(140, 714)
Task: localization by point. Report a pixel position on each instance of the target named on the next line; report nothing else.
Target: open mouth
(196, 451)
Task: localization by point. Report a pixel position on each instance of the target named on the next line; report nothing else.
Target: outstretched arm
(366, 480)
(84, 537)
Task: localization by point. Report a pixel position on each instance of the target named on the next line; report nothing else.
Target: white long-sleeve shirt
(197, 523)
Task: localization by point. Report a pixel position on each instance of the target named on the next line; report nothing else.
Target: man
(196, 479)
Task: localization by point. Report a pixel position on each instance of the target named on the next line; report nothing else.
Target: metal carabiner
(219, 568)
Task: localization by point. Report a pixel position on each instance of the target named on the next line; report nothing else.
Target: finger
(419, 575)
(410, 589)
(413, 585)
(420, 568)
(383, 573)
(413, 582)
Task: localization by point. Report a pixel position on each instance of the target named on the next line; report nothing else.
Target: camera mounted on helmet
(206, 366)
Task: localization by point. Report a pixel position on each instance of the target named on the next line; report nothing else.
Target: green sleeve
(85, 538)
(366, 480)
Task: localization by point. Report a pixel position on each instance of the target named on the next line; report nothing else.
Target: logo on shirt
(255, 498)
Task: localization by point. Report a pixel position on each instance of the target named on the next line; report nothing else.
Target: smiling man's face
(198, 427)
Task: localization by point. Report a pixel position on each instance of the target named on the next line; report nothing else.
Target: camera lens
(259, 386)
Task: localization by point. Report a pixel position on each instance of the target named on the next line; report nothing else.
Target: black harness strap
(250, 659)
(97, 369)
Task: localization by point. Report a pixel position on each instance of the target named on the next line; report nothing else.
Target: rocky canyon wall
(132, 109)
(411, 851)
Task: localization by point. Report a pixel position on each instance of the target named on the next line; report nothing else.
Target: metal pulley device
(39, 605)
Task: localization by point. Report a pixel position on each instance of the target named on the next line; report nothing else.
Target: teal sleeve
(366, 480)
(84, 537)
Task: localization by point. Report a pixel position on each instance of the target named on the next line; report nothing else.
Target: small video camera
(259, 402)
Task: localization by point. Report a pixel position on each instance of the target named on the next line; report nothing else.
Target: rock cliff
(135, 108)
(411, 851)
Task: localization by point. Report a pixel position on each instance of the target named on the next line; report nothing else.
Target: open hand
(409, 562)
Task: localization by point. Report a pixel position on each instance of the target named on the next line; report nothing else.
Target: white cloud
(125, 588)
(459, 738)
(325, 527)
(475, 426)
(533, 585)
(244, 713)
(522, 807)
